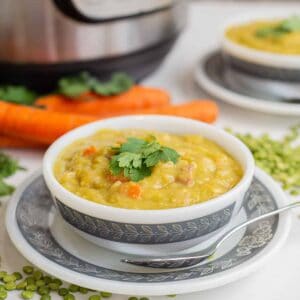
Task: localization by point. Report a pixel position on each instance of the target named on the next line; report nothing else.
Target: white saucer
(45, 240)
(251, 93)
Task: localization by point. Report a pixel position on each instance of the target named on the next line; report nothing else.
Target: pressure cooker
(43, 40)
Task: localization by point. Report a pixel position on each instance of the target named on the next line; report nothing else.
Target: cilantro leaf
(5, 189)
(137, 174)
(122, 81)
(163, 154)
(130, 160)
(133, 145)
(17, 94)
(137, 157)
(153, 159)
(288, 25)
(114, 166)
(73, 86)
(151, 148)
(291, 24)
(169, 154)
(102, 88)
(8, 167)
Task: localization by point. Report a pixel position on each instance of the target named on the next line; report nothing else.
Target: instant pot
(43, 40)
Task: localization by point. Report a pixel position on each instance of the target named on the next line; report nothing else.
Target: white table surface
(279, 278)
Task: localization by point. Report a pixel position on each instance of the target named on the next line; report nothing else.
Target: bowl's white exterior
(161, 123)
(153, 250)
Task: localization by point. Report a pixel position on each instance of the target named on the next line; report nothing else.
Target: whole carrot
(203, 110)
(37, 125)
(137, 97)
(43, 127)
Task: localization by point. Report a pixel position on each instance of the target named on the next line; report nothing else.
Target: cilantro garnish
(73, 86)
(5, 189)
(17, 94)
(291, 24)
(8, 167)
(136, 158)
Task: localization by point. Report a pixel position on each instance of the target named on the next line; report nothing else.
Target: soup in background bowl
(148, 224)
(280, 36)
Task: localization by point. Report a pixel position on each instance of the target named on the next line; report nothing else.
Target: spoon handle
(191, 259)
(256, 219)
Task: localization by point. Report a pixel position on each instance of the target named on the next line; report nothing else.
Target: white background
(279, 278)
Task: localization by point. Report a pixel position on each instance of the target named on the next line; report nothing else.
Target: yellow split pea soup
(203, 171)
(270, 36)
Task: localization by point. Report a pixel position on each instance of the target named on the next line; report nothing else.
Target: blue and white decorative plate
(249, 92)
(40, 234)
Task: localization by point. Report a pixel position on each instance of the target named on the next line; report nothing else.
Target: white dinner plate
(215, 78)
(47, 242)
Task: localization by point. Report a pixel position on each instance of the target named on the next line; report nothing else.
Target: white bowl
(149, 231)
(257, 62)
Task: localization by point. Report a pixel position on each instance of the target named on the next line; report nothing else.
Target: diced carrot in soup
(131, 189)
(89, 151)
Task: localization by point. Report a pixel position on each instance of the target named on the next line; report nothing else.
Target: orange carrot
(205, 110)
(202, 110)
(15, 142)
(137, 97)
(37, 125)
(131, 189)
(89, 151)
(43, 127)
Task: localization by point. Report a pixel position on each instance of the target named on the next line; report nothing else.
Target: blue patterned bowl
(149, 231)
(262, 64)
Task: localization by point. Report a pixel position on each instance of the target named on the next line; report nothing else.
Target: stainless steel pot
(52, 38)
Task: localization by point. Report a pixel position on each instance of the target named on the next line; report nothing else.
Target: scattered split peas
(37, 283)
(279, 158)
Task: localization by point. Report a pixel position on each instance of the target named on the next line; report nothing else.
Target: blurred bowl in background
(258, 63)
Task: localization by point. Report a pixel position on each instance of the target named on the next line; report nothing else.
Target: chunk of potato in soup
(203, 171)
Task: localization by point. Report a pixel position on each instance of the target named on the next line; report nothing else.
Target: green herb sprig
(288, 25)
(136, 158)
(73, 86)
(17, 94)
(8, 167)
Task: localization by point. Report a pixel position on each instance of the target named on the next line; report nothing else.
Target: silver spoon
(188, 260)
